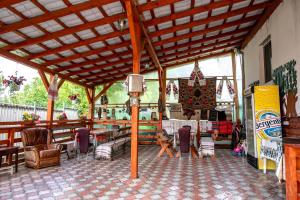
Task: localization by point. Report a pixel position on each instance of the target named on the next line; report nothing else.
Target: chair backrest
(83, 134)
(188, 127)
(184, 140)
(35, 136)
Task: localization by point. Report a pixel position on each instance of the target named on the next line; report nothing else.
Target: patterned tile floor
(226, 177)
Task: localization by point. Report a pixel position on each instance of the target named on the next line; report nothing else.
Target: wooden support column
(162, 78)
(135, 35)
(235, 98)
(164, 86)
(50, 107)
(90, 93)
(160, 90)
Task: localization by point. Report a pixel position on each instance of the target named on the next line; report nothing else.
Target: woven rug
(198, 97)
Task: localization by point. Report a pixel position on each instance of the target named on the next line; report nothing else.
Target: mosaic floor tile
(226, 177)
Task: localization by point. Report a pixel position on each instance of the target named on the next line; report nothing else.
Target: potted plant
(30, 117)
(82, 116)
(62, 117)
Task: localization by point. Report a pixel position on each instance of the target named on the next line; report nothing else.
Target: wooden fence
(11, 112)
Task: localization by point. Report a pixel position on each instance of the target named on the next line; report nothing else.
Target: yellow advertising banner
(268, 119)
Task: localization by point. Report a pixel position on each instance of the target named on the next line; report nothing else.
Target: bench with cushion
(110, 149)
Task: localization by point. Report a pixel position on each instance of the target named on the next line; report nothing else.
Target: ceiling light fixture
(147, 66)
(121, 24)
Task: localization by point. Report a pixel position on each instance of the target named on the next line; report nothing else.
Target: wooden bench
(118, 142)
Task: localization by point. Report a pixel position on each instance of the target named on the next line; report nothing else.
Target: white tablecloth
(172, 126)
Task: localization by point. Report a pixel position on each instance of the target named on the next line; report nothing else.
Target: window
(267, 61)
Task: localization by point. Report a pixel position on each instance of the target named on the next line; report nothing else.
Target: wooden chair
(166, 145)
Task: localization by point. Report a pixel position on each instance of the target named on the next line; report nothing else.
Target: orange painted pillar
(135, 35)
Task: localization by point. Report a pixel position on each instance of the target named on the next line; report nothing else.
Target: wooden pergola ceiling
(81, 42)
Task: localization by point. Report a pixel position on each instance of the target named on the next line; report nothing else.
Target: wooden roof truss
(80, 40)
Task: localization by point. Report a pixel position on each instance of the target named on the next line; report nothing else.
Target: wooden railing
(10, 130)
(292, 163)
(147, 130)
(65, 130)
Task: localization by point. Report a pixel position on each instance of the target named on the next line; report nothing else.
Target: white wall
(284, 28)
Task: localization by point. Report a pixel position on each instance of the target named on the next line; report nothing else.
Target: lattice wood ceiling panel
(80, 40)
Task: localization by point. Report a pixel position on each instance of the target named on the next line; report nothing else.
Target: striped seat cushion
(105, 150)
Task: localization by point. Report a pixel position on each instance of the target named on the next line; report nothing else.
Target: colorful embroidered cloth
(195, 75)
(171, 85)
(197, 96)
(53, 89)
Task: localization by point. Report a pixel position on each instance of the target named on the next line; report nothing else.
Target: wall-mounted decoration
(172, 86)
(197, 97)
(285, 77)
(104, 100)
(53, 88)
(219, 89)
(196, 75)
(229, 87)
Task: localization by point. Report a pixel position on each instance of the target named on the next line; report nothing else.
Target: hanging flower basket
(14, 83)
(74, 98)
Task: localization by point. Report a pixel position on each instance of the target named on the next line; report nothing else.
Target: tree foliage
(35, 93)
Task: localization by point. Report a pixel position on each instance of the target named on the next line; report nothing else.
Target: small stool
(207, 147)
(69, 148)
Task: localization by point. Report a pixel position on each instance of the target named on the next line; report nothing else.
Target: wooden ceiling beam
(54, 15)
(99, 67)
(191, 51)
(265, 16)
(125, 53)
(143, 71)
(103, 91)
(65, 31)
(103, 71)
(149, 46)
(87, 53)
(205, 31)
(208, 39)
(159, 43)
(44, 78)
(127, 70)
(81, 43)
(225, 42)
(202, 52)
(34, 65)
(210, 19)
(171, 65)
(190, 12)
(226, 52)
(4, 3)
(155, 4)
(244, 30)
